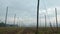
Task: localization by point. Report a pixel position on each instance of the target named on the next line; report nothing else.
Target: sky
(26, 11)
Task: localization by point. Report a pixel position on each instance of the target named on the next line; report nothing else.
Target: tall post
(45, 24)
(40, 21)
(45, 21)
(6, 16)
(56, 18)
(37, 16)
(17, 21)
(51, 27)
(14, 18)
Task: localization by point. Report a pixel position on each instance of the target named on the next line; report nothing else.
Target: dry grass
(13, 30)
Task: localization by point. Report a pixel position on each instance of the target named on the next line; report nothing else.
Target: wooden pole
(37, 16)
(14, 18)
(40, 21)
(45, 24)
(17, 21)
(45, 21)
(51, 27)
(56, 18)
(6, 16)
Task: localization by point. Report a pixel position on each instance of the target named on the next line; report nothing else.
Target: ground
(27, 30)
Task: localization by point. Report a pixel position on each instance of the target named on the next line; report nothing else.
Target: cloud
(26, 10)
(30, 20)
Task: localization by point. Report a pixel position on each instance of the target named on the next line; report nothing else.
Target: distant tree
(2, 24)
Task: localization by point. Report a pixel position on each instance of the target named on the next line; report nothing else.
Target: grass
(6, 30)
(11, 30)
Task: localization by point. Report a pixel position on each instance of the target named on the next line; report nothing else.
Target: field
(27, 30)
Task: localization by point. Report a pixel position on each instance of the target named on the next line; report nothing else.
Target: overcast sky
(26, 11)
